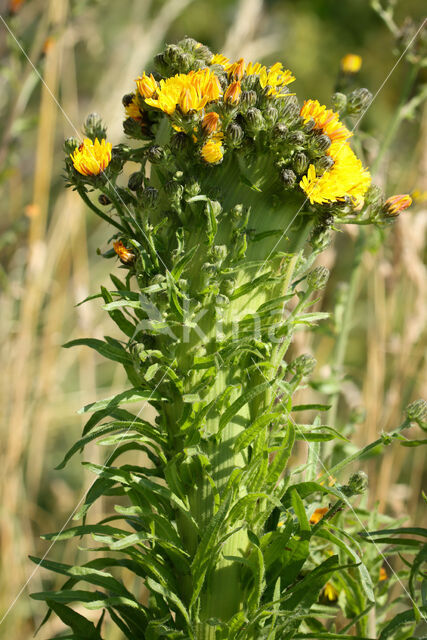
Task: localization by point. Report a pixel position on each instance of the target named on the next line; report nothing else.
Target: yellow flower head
(318, 515)
(382, 575)
(346, 178)
(351, 63)
(237, 69)
(190, 91)
(133, 110)
(218, 58)
(90, 158)
(326, 120)
(210, 122)
(330, 592)
(126, 256)
(232, 93)
(276, 78)
(396, 204)
(147, 86)
(212, 151)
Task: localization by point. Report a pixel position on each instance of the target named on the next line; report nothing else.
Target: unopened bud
(94, 127)
(155, 154)
(339, 101)
(232, 93)
(173, 54)
(248, 98)
(104, 200)
(394, 205)
(180, 141)
(359, 100)
(215, 206)
(150, 196)
(291, 110)
(192, 187)
(357, 484)
(309, 125)
(234, 133)
(210, 122)
(300, 162)
(254, 119)
(288, 177)
(323, 164)
(303, 365)
(135, 181)
(70, 144)
(280, 130)
(417, 411)
(318, 278)
(374, 196)
(295, 138)
(270, 115)
(320, 144)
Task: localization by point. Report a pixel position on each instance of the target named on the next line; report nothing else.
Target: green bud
(179, 141)
(184, 61)
(323, 164)
(374, 196)
(303, 365)
(280, 130)
(192, 188)
(209, 269)
(295, 138)
(219, 253)
(339, 101)
(318, 278)
(221, 300)
(254, 119)
(358, 483)
(291, 110)
(309, 125)
(216, 207)
(228, 286)
(94, 127)
(172, 54)
(359, 100)
(204, 53)
(150, 196)
(417, 411)
(300, 162)
(174, 189)
(135, 129)
(188, 44)
(288, 177)
(319, 144)
(234, 133)
(70, 144)
(135, 181)
(248, 98)
(160, 63)
(155, 154)
(104, 200)
(270, 115)
(123, 195)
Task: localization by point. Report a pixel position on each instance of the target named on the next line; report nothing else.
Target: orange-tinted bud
(237, 69)
(396, 204)
(232, 94)
(318, 515)
(210, 122)
(126, 256)
(147, 86)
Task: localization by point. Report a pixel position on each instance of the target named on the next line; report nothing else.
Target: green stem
(98, 212)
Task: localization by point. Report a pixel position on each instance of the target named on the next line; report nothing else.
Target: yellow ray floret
(190, 91)
(212, 151)
(133, 110)
(147, 86)
(90, 158)
(275, 77)
(346, 178)
(326, 120)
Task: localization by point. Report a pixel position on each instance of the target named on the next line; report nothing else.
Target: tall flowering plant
(237, 188)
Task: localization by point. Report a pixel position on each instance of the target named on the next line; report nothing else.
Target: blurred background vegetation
(60, 60)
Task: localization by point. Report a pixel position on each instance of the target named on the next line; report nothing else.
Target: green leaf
(131, 395)
(183, 262)
(103, 348)
(281, 458)
(247, 436)
(78, 623)
(235, 407)
(172, 599)
(404, 618)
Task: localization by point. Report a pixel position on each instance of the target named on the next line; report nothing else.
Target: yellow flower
(218, 58)
(90, 158)
(126, 256)
(132, 109)
(351, 63)
(330, 592)
(147, 86)
(212, 151)
(237, 69)
(396, 204)
(382, 575)
(210, 122)
(318, 515)
(276, 78)
(232, 94)
(346, 178)
(326, 120)
(191, 91)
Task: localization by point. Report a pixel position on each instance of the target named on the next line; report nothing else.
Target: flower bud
(135, 129)
(280, 130)
(160, 63)
(228, 286)
(351, 63)
(309, 125)
(318, 278)
(417, 411)
(254, 119)
(232, 93)
(135, 180)
(180, 141)
(219, 253)
(210, 122)
(221, 300)
(295, 138)
(339, 101)
(94, 127)
(215, 206)
(192, 187)
(270, 115)
(359, 100)
(234, 133)
(374, 196)
(104, 200)
(70, 144)
(248, 98)
(288, 177)
(394, 205)
(209, 268)
(155, 154)
(323, 164)
(173, 54)
(203, 53)
(300, 162)
(320, 144)
(303, 365)
(174, 189)
(357, 484)
(291, 110)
